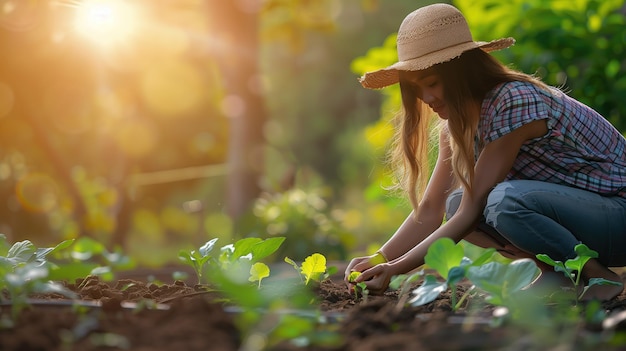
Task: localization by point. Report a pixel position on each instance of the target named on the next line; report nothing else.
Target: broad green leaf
(428, 291)
(244, 246)
(584, 250)
(206, 249)
(602, 281)
(503, 280)
(258, 271)
(455, 275)
(485, 256)
(584, 254)
(442, 255)
(42, 253)
(266, 247)
(21, 251)
(558, 265)
(313, 267)
(85, 248)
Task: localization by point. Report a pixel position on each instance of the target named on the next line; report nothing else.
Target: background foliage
(125, 138)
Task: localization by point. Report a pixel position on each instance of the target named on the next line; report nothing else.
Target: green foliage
(305, 218)
(23, 271)
(246, 252)
(87, 256)
(576, 44)
(313, 268)
(502, 282)
(258, 271)
(574, 266)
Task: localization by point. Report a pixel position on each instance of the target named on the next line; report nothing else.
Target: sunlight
(106, 22)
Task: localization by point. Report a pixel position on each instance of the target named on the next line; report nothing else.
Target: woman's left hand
(377, 278)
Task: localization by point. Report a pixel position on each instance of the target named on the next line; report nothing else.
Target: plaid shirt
(582, 149)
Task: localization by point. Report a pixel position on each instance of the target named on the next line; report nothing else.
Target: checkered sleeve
(514, 106)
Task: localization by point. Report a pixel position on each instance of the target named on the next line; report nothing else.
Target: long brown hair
(466, 81)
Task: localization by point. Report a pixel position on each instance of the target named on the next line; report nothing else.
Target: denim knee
(501, 200)
(453, 202)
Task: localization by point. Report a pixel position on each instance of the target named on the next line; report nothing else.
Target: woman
(537, 171)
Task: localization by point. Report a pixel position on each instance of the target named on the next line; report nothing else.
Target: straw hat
(430, 35)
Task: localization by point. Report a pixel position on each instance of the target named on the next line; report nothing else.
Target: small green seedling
(353, 275)
(573, 267)
(258, 271)
(24, 270)
(313, 268)
(359, 289)
(247, 250)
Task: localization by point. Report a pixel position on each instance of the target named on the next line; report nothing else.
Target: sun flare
(106, 21)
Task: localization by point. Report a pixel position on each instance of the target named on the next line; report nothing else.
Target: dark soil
(115, 316)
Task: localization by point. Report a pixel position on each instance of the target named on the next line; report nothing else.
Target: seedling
(573, 267)
(313, 268)
(24, 271)
(247, 250)
(258, 271)
(353, 275)
(448, 260)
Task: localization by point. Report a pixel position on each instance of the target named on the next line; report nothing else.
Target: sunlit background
(156, 125)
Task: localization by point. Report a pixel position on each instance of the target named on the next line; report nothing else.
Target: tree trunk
(236, 48)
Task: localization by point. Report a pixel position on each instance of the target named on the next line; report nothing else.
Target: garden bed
(133, 314)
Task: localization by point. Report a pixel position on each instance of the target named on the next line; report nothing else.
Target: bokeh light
(37, 192)
(107, 22)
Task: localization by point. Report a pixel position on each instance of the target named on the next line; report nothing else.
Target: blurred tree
(235, 27)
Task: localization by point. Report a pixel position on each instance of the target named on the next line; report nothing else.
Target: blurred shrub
(305, 219)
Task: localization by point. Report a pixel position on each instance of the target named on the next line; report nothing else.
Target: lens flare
(106, 22)
(37, 192)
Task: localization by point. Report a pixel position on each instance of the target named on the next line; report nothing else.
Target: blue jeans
(540, 217)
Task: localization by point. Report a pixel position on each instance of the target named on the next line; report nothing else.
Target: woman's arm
(492, 166)
(429, 217)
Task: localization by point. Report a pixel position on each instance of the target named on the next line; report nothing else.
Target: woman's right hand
(360, 264)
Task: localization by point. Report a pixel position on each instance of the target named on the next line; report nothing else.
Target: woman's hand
(377, 278)
(361, 264)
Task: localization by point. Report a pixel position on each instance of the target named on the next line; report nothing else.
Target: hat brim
(390, 75)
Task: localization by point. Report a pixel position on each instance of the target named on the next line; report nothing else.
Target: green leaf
(42, 253)
(244, 247)
(266, 247)
(21, 252)
(313, 267)
(602, 281)
(503, 280)
(258, 271)
(455, 275)
(428, 291)
(485, 256)
(206, 249)
(85, 248)
(292, 263)
(444, 254)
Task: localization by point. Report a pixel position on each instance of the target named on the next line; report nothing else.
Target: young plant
(313, 268)
(244, 251)
(258, 271)
(25, 271)
(503, 282)
(448, 260)
(573, 267)
(359, 289)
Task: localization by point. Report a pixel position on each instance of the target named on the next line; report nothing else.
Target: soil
(184, 316)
